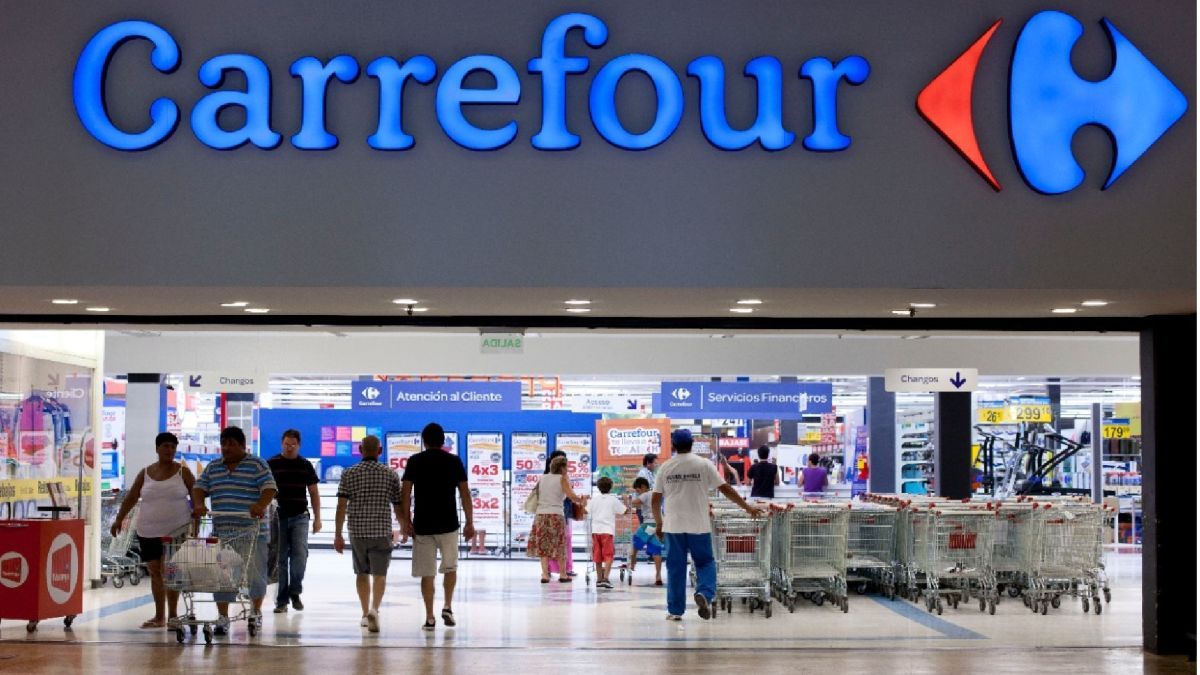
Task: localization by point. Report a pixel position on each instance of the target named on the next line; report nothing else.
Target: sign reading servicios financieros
(783, 400)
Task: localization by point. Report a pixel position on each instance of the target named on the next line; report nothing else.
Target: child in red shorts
(604, 510)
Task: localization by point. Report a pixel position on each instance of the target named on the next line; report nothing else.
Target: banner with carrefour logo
(778, 400)
(481, 396)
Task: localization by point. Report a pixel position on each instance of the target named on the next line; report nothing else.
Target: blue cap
(681, 437)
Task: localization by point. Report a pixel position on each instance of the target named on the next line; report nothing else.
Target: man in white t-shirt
(684, 482)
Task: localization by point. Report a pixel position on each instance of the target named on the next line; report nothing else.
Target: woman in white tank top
(164, 489)
(547, 538)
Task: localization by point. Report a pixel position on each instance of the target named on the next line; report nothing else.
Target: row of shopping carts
(1040, 549)
(119, 560)
(936, 552)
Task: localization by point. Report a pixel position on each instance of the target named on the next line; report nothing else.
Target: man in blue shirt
(238, 482)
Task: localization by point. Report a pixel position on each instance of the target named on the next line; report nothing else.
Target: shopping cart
(1065, 563)
(809, 554)
(951, 556)
(626, 525)
(742, 549)
(219, 558)
(1013, 549)
(871, 548)
(117, 562)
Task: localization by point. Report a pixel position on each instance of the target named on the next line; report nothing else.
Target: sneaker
(674, 617)
(448, 617)
(222, 626)
(428, 626)
(373, 621)
(605, 584)
(363, 623)
(702, 607)
(296, 604)
(281, 609)
(255, 618)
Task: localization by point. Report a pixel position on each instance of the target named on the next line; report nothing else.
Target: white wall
(619, 354)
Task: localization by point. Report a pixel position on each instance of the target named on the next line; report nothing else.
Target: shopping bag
(531, 502)
(194, 564)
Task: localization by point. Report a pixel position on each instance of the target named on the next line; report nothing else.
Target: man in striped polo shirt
(238, 482)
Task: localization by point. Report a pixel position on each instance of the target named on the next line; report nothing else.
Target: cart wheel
(103, 580)
(861, 589)
(1056, 602)
(31, 626)
(193, 627)
(954, 602)
(1107, 595)
(1086, 608)
(135, 579)
(1045, 607)
(118, 582)
(622, 574)
(728, 606)
(845, 605)
(179, 636)
(1013, 591)
(939, 607)
(982, 604)
(208, 635)
(744, 602)
(252, 627)
(767, 610)
(587, 578)
(820, 599)
(992, 607)
(1025, 600)
(68, 620)
(1097, 606)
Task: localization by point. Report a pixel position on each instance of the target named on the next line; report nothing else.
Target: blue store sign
(782, 400)
(436, 396)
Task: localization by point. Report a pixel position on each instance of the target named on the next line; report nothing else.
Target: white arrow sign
(931, 379)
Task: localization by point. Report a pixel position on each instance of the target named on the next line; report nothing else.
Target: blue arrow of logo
(631, 403)
(958, 380)
(194, 380)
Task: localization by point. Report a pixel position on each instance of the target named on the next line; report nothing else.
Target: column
(881, 440)
(952, 444)
(789, 430)
(145, 412)
(1168, 364)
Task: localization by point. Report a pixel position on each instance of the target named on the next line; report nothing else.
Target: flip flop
(153, 623)
(546, 580)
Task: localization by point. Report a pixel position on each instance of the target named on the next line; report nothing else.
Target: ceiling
(204, 303)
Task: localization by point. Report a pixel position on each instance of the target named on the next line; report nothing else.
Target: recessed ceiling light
(741, 310)
(901, 312)
(420, 309)
(922, 305)
(238, 303)
(578, 310)
(1064, 310)
(98, 309)
(1095, 303)
(257, 310)
(577, 302)
(750, 301)
(405, 301)
(64, 301)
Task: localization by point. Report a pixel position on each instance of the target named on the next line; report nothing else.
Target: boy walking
(604, 510)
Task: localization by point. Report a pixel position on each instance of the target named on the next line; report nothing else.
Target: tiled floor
(506, 618)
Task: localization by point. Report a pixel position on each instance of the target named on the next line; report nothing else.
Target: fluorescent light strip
(64, 301)
(577, 302)
(99, 309)
(239, 303)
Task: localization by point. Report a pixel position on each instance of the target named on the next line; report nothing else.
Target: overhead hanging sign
(781, 400)
(605, 403)
(479, 396)
(918, 380)
(227, 382)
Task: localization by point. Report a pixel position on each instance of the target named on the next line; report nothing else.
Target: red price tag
(398, 463)
(525, 465)
(484, 503)
(485, 470)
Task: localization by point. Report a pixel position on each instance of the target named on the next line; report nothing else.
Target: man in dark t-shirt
(437, 476)
(764, 475)
(297, 482)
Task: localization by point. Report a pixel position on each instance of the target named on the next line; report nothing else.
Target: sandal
(448, 617)
(154, 623)
(564, 580)
(545, 580)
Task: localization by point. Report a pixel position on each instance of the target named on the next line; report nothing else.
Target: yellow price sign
(992, 415)
(812, 436)
(1031, 413)
(1116, 428)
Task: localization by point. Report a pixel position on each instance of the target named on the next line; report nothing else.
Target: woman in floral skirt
(547, 539)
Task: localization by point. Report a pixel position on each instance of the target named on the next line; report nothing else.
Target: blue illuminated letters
(453, 95)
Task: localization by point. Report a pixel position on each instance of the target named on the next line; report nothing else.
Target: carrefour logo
(370, 393)
(1049, 102)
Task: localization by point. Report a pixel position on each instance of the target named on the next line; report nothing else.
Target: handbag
(531, 502)
(579, 512)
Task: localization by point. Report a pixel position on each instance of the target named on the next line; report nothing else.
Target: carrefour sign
(1049, 102)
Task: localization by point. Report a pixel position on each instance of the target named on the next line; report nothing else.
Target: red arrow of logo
(946, 104)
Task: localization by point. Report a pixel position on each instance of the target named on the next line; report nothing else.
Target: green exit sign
(502, 343)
